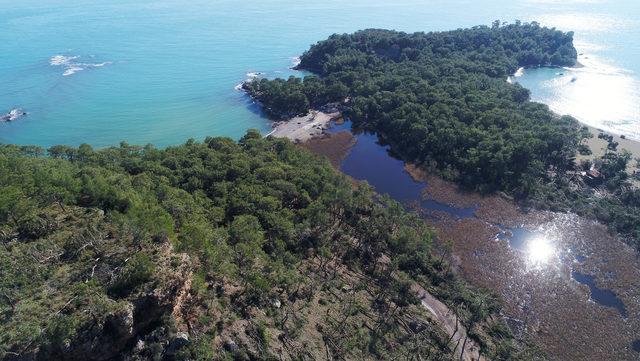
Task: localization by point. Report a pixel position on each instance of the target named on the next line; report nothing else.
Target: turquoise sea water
(163, 71)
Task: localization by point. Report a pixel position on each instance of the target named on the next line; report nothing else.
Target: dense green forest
(441, 100)
(217, 250)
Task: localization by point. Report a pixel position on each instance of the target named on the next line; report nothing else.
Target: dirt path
(449, 323)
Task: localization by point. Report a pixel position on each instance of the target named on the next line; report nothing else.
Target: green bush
(138, 270)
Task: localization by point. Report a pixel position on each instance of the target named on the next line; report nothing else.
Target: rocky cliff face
(95, 322)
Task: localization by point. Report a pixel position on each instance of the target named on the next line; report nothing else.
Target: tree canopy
(441, 99)
(119, 252)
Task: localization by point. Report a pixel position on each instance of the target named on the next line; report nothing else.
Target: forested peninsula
(441, 101)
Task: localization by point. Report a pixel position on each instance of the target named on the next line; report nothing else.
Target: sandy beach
(598, 147)
(302, 129)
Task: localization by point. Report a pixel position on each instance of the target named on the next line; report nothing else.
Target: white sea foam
(89, 65)
(511, 79)
(594, 65)
(296, 61)
(72, 70)
(58, 60)
(250, 76)
(72, 67)
(98, 65)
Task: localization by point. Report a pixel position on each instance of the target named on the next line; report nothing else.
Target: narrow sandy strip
(302, 129)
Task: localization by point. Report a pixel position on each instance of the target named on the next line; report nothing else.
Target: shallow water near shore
(162, 71)
(583, 93)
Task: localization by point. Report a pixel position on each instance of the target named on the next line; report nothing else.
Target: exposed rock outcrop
(12, 115)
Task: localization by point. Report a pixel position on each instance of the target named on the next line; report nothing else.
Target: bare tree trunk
(456, 329)
(463, 345)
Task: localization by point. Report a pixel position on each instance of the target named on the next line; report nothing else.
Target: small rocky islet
(13, 114)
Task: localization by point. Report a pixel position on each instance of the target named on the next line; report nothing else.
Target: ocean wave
(295, 61)
(250, 76)
(72, 67)
(98, 65)
(58, 60)
(72, 70)
(511, 79)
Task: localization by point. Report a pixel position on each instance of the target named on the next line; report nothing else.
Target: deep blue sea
(162, 71)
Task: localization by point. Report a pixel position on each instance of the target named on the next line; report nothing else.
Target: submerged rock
(13, 115)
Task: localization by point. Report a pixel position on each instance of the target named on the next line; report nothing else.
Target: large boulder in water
(13, 115)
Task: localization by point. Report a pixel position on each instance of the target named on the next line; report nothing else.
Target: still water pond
(370, 160)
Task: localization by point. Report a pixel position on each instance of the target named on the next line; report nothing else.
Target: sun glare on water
(540, 251)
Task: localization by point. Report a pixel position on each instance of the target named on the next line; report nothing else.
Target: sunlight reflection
(540, 250)
(583, 22)
(582, 91)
